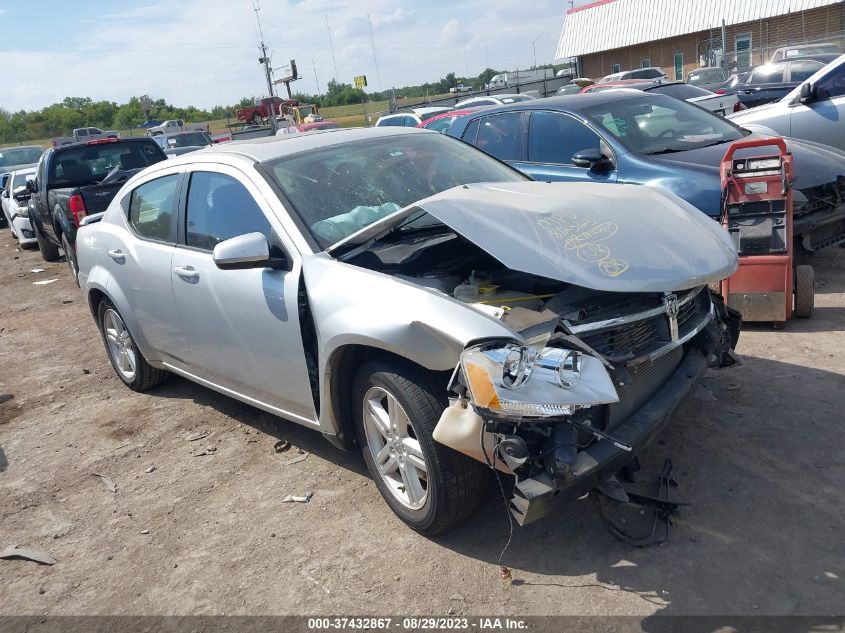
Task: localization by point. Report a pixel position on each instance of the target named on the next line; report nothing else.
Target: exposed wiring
(492, 464)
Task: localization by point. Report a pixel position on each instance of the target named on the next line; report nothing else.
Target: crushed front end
(594, 379)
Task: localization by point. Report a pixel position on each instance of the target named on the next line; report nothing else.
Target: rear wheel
(70, 258)
(429, 486)
(128, 362)
(256, 119)
(805, 289)
(49, 251)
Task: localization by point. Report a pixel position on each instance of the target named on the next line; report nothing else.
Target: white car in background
(17, 213)
(412, 118)
(500, 99)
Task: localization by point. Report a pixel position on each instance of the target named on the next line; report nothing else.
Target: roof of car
(270, 147)
(574, 102)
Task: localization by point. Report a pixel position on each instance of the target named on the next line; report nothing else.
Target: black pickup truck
(73, 181)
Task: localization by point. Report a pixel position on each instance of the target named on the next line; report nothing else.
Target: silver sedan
(402, 291)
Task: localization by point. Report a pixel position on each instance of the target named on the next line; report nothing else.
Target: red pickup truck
(262, 108)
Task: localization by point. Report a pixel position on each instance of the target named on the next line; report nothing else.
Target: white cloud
(451, 32)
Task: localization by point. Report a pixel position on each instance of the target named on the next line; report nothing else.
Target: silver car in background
(813, 111)
(403, 291)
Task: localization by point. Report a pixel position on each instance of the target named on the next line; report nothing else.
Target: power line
(373, 43)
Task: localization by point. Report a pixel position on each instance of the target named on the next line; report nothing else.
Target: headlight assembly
(506, 380)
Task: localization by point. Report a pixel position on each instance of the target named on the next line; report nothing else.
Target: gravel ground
(757, 455)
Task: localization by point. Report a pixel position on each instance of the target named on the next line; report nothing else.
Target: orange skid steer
(757, 213)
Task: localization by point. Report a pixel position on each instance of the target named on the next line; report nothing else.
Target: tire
(49, 251)
(805, 288)
(70, 258)
(256, 119)
(126, 359)
(451, 486)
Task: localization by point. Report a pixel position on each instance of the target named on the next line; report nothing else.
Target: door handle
(118, 256)
(187, 272)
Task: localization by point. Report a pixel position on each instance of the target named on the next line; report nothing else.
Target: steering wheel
(668, 133)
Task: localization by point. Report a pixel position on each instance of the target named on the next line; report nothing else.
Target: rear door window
(151, 209)
(220, 207)
(556, 138)
(500, 135)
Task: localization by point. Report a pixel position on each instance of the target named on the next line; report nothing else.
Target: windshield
(91, 163)
(20, 178)
(680, 91)
(657, 124)
(514, 98)
(706, 76)
(19, 156)
(341, 189)
(189, 139)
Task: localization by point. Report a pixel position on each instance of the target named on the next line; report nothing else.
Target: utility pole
(331, 45)
(264, 59)
(534, 48)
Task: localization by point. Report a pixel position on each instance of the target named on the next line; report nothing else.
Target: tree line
(59, 119)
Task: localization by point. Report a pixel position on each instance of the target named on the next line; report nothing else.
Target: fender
(100, 280)
(353, 306)
(63, 226)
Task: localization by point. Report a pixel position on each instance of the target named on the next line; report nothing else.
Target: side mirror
(22, 194)
(31, 185)
(5, 193)
(250, 250)
(807, 93)
(592, 159)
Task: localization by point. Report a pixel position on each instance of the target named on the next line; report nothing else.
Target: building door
(742, 49)
(679, 66)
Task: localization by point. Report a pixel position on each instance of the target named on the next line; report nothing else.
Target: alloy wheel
(394, 447)
(119, 342)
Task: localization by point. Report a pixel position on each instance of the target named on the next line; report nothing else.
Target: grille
(626, 341)
(630, 341)
(644, 380)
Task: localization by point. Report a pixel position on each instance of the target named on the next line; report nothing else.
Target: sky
(205, 52)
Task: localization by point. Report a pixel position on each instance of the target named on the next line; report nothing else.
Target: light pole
(534, 48)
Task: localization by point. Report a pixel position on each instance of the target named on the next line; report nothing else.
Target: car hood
(625, 238)
(752, 114)
(814, 164)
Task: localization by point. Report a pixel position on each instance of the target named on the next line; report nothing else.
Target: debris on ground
(296, 460)
(107, 482)
(145, 531)
(281, 446)
(37, 270)
(150, 469)
(208, 450)
(298, 498)
(66, 301)
(45, 282)
(28, 553)
(197, 436)
(505, 573)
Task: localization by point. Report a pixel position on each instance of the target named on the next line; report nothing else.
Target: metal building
(607, 36)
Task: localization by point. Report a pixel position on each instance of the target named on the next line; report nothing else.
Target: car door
(241, 327)
(139, 253)
(821, 119)
(553, 139)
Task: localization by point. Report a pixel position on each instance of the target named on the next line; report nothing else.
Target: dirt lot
(758, 455)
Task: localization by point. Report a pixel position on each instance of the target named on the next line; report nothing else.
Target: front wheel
(128, 361)
(256, 119)
(429, 486)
